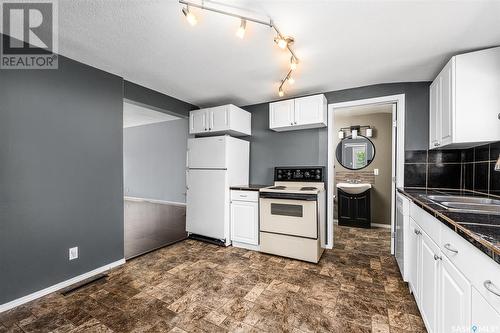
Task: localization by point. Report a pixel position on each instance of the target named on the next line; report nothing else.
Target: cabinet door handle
(243, 195)
(487, 284)
(436, 257)
(436, 144)
(295, 122)
(417, 232)
(291, 123)
(449, 248)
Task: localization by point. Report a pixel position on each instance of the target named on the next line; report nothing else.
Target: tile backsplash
(362, 176)
(471, 169)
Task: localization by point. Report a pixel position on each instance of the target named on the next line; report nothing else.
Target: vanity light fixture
(189, 16)
(241, 30)
(355, 131)
(283, 42)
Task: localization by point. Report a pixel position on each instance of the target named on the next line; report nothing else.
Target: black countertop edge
(460, 227)
(251, 187)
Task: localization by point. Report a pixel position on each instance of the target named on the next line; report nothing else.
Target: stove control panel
(299, 174)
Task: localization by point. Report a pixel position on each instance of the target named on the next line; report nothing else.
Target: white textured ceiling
(341, 44)
(136, 115)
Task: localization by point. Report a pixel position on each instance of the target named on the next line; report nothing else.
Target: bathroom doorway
(365, 158)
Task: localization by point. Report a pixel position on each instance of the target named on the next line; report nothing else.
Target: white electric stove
(293, 214)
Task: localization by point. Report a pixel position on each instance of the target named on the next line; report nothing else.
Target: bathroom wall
(382, 139)
(469, 169)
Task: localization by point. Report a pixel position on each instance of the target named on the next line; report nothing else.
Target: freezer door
(207, 203)
(207, 153)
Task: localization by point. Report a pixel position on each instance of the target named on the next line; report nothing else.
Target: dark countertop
(481, 230)
(251, 187)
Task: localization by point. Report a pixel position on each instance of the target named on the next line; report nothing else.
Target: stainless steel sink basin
(473, 207)
(473, 200)
(466, 204)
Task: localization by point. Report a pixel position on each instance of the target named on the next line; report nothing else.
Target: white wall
(154, 160)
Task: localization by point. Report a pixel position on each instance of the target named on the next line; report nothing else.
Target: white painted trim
(154, 201)
(380, 225)
(246, 246)
(60, 285)
(399, 100)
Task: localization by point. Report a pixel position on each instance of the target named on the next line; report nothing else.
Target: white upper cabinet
(225, 119)
(298, 113)
(464, 101)
(281, 114)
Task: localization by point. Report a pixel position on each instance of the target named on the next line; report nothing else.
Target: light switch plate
(73, 253)
(375, 172)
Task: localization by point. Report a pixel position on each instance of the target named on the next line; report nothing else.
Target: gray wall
(154, 160)
(60, 174)
(309, 147)
(61, 171)
(159, 101)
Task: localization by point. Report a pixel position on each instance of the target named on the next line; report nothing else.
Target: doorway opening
(154, 151)
(365, 166)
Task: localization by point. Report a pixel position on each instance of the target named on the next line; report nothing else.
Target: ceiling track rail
(270, 23)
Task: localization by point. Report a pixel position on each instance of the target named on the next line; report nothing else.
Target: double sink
(463, 204)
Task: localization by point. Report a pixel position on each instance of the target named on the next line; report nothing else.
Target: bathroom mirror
(355, 154)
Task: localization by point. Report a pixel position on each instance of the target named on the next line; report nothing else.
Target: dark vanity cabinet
(354, 209)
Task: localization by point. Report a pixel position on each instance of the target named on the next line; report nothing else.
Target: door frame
(398, 148)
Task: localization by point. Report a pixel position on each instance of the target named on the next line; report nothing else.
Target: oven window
(287, 210)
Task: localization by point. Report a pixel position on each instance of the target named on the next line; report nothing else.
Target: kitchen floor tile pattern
(198, 287)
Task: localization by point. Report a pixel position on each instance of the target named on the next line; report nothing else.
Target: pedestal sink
(353, 188)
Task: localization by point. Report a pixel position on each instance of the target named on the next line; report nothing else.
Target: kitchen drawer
(428, 223)
(245, 195)
(474, 264)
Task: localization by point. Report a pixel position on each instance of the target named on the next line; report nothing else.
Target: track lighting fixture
(283, 42)
(189, 16)
(241, 30)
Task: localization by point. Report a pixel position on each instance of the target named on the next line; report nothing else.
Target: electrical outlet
(375, 172)
(73, 253)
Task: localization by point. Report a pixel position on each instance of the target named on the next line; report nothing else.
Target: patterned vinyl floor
(197, 287)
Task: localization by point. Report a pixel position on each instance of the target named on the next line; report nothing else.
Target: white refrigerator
(213, 165)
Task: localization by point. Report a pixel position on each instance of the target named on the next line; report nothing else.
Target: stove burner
(277, 188)
(308, 188)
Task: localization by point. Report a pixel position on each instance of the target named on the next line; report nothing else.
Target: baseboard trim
(379, 225)
(60, 285)
(246, 246)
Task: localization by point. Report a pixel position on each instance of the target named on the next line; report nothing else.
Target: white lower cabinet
(450, 296)
(455, 299)
(414, 257)
(428, 270)
(484, 317)
(245, 219)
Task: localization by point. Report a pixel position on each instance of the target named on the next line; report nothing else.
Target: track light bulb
(293, 63)
(282, 43)
(241, 30)
(281, 93)
(189, 16)
(291, 80)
